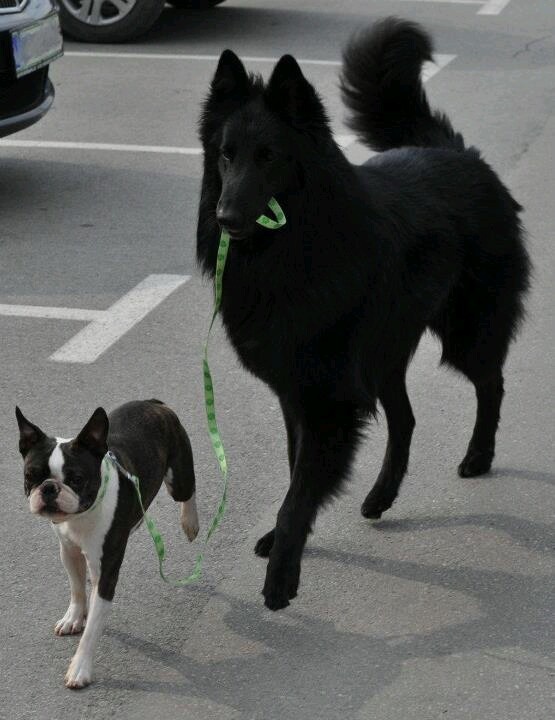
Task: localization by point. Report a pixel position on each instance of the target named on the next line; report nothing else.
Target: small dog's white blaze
(67, 500)
(80, 670)
(56, 461)
(189, 517)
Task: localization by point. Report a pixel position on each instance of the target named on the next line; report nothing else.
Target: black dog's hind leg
(265, 543)
(481, 449)
(326, 439)
(400, 424)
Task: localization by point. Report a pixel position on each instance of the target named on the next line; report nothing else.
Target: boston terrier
(62, 481)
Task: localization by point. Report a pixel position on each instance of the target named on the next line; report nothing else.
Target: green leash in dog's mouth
(215, 438)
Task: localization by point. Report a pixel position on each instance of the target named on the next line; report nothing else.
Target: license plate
(36, 45)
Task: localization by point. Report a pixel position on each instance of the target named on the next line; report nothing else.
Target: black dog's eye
(266, 154)
(226, 154)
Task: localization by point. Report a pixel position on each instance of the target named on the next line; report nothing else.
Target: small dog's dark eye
(226, 154)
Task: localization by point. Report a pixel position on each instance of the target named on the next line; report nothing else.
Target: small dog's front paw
(72, 622)
(79, 672)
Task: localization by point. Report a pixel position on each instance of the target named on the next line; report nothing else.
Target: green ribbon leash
(213, 430)
(209, 401)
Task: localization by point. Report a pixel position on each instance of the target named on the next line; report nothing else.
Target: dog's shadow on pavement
(308, 661)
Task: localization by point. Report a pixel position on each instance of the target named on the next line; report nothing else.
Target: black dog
(329, 309)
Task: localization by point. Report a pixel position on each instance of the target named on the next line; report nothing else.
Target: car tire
(194, 4)
(140, 19)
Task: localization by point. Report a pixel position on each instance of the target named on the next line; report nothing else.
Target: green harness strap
(215, 438)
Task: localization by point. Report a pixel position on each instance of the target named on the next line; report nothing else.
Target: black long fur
(381, 85)
(329, 309)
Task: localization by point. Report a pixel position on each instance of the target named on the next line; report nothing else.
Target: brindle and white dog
(62, 481)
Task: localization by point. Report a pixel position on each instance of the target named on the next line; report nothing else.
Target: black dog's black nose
(230, 219)
(49, 489)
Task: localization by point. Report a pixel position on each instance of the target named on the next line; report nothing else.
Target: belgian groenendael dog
(329, 309)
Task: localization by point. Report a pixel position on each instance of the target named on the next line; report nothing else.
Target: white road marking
(493, 7)
(99, 335)
(439, 59)
(105, 326)
(428, 71)
(119, 147)
(50, 313)
(194, 58)
(450, 2)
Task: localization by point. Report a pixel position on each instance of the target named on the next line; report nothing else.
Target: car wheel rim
(99, 12)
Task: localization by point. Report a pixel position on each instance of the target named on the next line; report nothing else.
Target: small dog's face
(62, 477)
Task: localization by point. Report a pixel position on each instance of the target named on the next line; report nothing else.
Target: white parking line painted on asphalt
(449, 2)
(438, 58)
(113, 323)
(182, 56)
(118, 147)
(493, 7)
(105, 326)
(428, 71)
(50, 313)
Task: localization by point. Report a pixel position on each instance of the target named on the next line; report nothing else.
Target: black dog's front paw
(279, 591)
(374, 505)
(475, 463)
(265, 544)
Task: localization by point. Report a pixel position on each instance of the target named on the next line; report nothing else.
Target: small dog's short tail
(382, 87)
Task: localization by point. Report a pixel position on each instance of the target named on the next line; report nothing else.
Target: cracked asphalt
(444, 608)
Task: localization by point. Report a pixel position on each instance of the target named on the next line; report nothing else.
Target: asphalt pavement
(444, 608)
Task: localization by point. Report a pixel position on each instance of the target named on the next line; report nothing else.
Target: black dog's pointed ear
(230, 79)
(290, 95)
(29, 434)
(230, 87)
(94, 436)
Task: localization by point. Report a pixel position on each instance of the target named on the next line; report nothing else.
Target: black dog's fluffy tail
(381, 85)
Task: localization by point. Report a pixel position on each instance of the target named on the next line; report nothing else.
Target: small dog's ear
(290, 95)
(230, 80)
(29, 434)
(94, 436)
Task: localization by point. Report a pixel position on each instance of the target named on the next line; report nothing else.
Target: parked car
(30, 39)
(106, 21)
